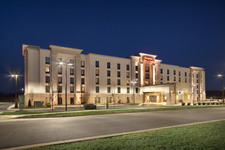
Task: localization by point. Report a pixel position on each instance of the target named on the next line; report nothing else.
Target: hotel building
(93, 78)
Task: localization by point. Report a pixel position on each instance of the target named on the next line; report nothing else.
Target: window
(47, 89)
(168, 71)
(82, 89)
(60, 89)
(47, 69)
(179, 79)
(146, 76)
(82, 72)
(118, 90)
(161, 71)
(97, 72)
(108, 81)
(174, 72)
(146, 68)
(196, 75)
(197, 80)
(168, 78)
(185, 79)
(71, 71)
(47, 60)
(118, 73)
(136, 75)
(108, 65)
(118, 82)
(179, 73)
(128, 82)
(185, 74)
(71, 89)
(82, 63)
(161, 77)
(96, 63)
(118, 66)
(47, 79)
(108, 73)
(71, 80)
(146, 82)
(97, 80)
(60, 70)
(59, 80)
(97, 89)
(128, 67)
(136, 68)
(82, 81)
(128, 74)
(108, 90)
(174, 78)
(71, 100)
(128, 90)
(136, 90)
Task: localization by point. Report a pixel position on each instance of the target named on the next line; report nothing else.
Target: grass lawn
(101, 111)
(201, 136)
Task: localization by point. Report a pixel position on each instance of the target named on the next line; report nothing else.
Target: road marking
(104, 136)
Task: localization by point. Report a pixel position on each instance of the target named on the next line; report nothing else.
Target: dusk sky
(185, 33)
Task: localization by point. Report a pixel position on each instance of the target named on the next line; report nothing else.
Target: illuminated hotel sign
(147, 59)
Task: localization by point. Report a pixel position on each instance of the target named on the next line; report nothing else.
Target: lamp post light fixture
(15, 76)
(66, 64)
(221, 76)
(134, 83)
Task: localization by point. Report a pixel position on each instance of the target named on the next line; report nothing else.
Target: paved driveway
(4, 106)
(19, 132)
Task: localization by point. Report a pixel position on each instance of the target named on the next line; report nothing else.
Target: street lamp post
(16, 77)
(221, 76)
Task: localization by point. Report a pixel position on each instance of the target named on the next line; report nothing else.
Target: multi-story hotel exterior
(95, 78)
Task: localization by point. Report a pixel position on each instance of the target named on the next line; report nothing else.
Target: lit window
(146, 82)
(128, 82)
(82, 63)
(82, 72)
(47, 60)
(71, 89)
(47, 69)
(97, 72)
(128, 74)
(82, 89)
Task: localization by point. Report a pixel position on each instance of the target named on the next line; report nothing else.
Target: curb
(104, 136)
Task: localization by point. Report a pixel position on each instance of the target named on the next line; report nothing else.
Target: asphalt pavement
(4, 106)
(20, 132)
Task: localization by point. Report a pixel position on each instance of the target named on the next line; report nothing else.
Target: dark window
(71, 71)
(71, 89)
(108, 81)
(136, 90)
(118, 90)
(71, 80)
(71, 100)
(128, 67)
(136, 68)
(168, 71)
(128, 90)
(47, 79)
(161, 71)
(82, 81)
(179, 79)
(47, 60)
(174, 72)
(146, 68)
(108, 90)
(60, 89)
(96, 63)
(82, 63)
(97, 89)
(59, 70)
(197, 80)
(136, 75)
(59, 80)
(108, 65)
(185, 74)
(97, 80)
(118, 82)
(185, 79)
(47, 89)
(118, 66)
(179, 73)
(82, 72)
(168, 78)
(146, 76)
(118, 73)
(196, 75)
(174, 78)
(108, 73)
